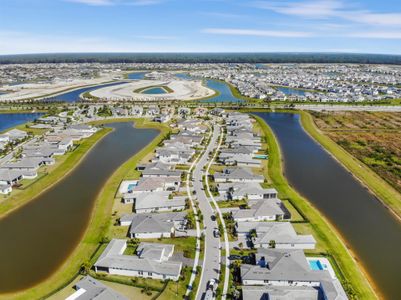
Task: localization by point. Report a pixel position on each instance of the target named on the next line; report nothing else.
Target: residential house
(282, 233)
(250, 191)
(151, 263)
(262, 210)
(89, 288)
(237, 174)
(5, 189)
(263, 292)
(157, 202)
(154, 225)
(278, 267)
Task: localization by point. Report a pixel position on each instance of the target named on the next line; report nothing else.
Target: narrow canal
(73, 96)
(369, 229)
(37, 238)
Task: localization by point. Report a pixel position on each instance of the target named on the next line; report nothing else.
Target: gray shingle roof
(95, 290)
(112, 257)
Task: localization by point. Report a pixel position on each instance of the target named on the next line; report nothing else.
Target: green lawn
(384, 191)
(99, 222)
(324, 233)
(181, 244)
(232, 203)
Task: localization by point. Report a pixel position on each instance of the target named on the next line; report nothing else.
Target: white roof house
(153, 225)
(262, 210)
(150, 263)
(278, 267)
(89, 288)
(237, 174)
(157, 202)
(280, 293)
(282, 233)
(250, 191)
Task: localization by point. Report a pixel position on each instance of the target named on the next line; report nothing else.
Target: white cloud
(116, 2)
(254, 32)
(335, 9)
(12, 42)
(308, 9)
(383, 19)
(390, 35)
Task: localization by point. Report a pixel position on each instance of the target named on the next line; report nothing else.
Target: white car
(211, 284)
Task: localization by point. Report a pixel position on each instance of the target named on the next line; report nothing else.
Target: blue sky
(41, 26)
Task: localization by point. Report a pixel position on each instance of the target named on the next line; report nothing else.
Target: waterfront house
(153, 184)
(173, 156)
(27, 164)
(250, 191)
(282, 233)
(262, 210)
(280, 293)
(83, 128)
(152, 262)
(16, 134)
(244, 160)
(154, 225)
(158, 169)
(157, 202)
(4, 138)
(89, 288)
(237, 174)
(11, 177)
(278, 267)
(5, 189)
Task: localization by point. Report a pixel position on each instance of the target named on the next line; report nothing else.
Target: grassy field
(99, 222)
(352, 276)
(374, 139)
(64, 165)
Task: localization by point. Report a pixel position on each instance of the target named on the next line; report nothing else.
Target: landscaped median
(384, 191)
(354, 280)
(99, 222)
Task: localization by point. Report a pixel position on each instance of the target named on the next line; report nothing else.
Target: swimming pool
(131, 186)
(315, 265)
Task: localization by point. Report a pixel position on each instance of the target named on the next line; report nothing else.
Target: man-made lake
(154, 91)
(290, 91)
(137, 75)
(225, 92)
(367, 226)
(73, 96)
(38, 237)
(10, 120)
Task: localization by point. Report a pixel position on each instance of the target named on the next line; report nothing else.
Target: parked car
(234, 257)
(211, 284)
(216, 233)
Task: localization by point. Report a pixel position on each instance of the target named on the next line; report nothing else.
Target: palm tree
(272, 244)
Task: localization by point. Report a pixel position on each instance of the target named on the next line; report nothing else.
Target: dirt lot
(372, 137)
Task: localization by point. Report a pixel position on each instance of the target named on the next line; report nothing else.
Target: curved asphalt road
(211, 260)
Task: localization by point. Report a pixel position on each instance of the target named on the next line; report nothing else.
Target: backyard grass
(382, 189)
(66, 164)
(356, 283)
(185, 245)
(99, 222)
(232, 203)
